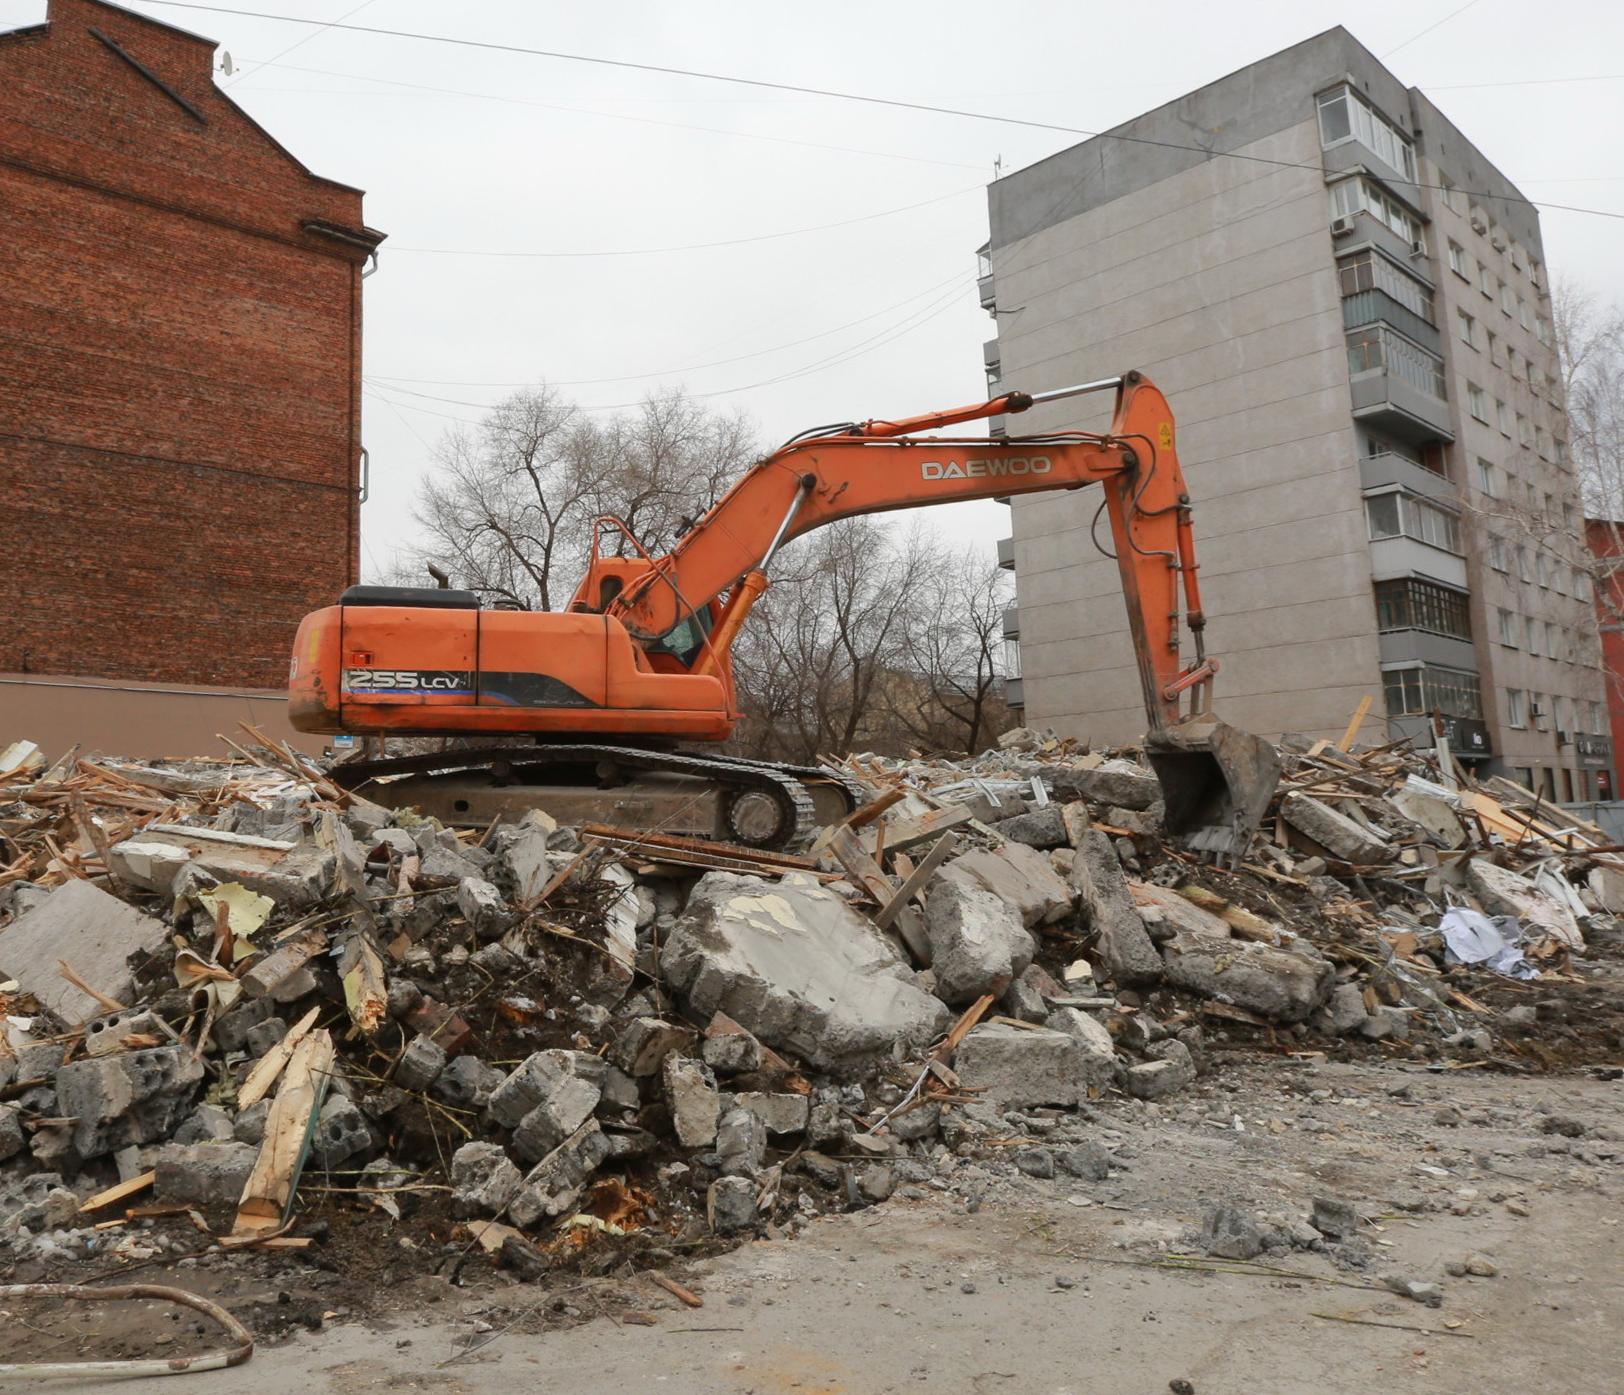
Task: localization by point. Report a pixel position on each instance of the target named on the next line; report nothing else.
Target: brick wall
(180, 428)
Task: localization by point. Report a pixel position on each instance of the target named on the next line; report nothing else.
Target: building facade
(1605, 537)
(180, 331)
(1347, 306)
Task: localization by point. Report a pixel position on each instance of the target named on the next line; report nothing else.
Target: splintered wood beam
(867, 873)
(916, 879)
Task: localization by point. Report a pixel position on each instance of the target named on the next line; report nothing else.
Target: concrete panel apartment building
(1348, 307)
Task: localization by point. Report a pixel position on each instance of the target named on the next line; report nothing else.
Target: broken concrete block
(641, 1046)
(467, 1083)
(1037, 828)
(1025, 999)
(730, 1204)
(1347, 1008)
(294, 875)
(1015, 1067)
(134, 1097)
(741, 1143)
(483, 1180)
(203, 1174)
(207, 1123)
(147, 866)
(1077, 821)
(1501, 891)
(1335, 832)
(342, 1132)
(562, 1110)
(262, 1036)
(420, 1064)
(249, 1125)
(553, 1184)
(12, 1141)
(1113, 782)
(540, 1077)
(1124, 948)
(1095, 1043)
(1284, 985)
(690, 1092)
(977, 942)
(1164, 912)
(93, 931)
(732, 1053)
(779, 1113)
(1229, 1233)
(793, 963)
(484, 908)
(1019, 876)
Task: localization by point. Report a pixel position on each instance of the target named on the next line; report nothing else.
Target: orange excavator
(601, 696)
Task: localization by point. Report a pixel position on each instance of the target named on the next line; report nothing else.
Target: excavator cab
(1217, 781)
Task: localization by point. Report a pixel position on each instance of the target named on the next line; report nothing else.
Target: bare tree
(950, 697)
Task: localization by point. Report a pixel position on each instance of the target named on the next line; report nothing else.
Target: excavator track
(760, 805)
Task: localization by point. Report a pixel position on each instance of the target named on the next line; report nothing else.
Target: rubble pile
(222, 981)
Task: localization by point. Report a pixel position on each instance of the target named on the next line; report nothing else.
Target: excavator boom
(645, 650)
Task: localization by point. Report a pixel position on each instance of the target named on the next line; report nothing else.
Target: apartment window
(1366, 271)
(1502, 416)
(1542, 442)
(1427, 687)
(1506, 297)
(1458, 262)
(1531, 625)
(1479, 402)
(1553, 641)
(1485, 280)
(1466, 327)
(1412, 604)
(1378, 348)
(1542, 568)
(1559, 579)
(1525, 437)
(1522, 314)
(1359, 195)
(1542, 329)
(1497, 552)
(1564, 714)
(1398, 514)
(1345, 115)
(1451, 195)
(1581, 584)
(1508, 628)
(1597, 720)
(1533, 270)
(1533, 498)
(1494, 348)
(1523, 570)
(1561, 448)
(1516, 708)
(1487, 482)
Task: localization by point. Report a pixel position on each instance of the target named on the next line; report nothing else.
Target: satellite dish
(226, 65)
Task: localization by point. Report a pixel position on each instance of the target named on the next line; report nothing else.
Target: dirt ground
(1001, 1282)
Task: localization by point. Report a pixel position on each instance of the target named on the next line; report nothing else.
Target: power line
(297, 43)
(895, 103)
(616, 116)
(697, 246)
(1434, 25)
(669, 372)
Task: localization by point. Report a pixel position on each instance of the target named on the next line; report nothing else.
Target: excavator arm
(884, 465)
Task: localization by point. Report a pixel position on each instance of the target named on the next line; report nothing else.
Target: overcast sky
(476, 152)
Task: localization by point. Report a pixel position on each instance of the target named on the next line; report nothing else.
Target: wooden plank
(860, 866)
(269, 1066)
(124, 1190)
(861, 818)
(269, 1190)
(916, 879)
(902, 836)
(1357, 721)
(651, 843)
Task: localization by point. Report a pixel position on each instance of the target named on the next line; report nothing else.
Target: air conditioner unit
(1341, 227)
(1480, 224)
(1498, 244)
(1418, 249)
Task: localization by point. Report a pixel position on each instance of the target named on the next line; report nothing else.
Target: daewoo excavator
(599, 696)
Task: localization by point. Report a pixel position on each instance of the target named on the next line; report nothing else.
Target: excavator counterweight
(642, 658)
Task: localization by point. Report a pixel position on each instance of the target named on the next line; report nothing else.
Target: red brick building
(1605, 539)
(180, 341)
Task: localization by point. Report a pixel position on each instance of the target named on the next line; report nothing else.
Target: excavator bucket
(1216, 780)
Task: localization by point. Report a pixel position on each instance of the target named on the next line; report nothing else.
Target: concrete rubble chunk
(794, 964)
(691, 1095)
(483, 1179)
(93, 931)
(730, 1204)
(1335, 832)
(1502, 892)
(484, 908)
(779, 1113)
(1015, 1067)
(741, 1143)
(1347, 1008)
(145, 865)
(1037, 828)
(203, 1174)
(554, 1184)
(467, 1083)
(977, 942)
(538, 1078)
(561, 1111)
(524, 857)
(641, 1045)
(12, 1141)
(1229, 1233)
(1162, 906)
(420, 1064)
(1017, 875)
(1112, 782)
(1284, 985)
(732, 1053)
(1095, 1043)
(134, 1097)
(1169, 1069)
(1124, 947)
(207, 1123)
(342, 1132)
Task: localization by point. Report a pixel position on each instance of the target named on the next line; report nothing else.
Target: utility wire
(669, 372)
(696, 246)
(297, 43)
(895, 103)
(1434, 25)
(608, 115)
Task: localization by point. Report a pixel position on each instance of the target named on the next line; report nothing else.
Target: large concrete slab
(94, 932)
(791, 962)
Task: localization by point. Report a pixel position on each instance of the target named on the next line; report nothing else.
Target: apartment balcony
(1013, 693)
(1012, 622)
(1375, 306)
(1468, 738)
(1388, 468)
(1006, 554)
(1397, 386)
(985, 290)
